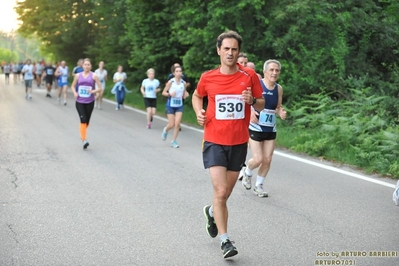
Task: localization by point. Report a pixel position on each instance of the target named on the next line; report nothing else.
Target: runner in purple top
(83, 88)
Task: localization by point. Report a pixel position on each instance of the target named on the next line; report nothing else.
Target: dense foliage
(14, 47)
(340, 68)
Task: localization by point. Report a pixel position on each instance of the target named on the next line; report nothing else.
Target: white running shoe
(260, 192)
(174, 144)
(246, 181)
(164, 134)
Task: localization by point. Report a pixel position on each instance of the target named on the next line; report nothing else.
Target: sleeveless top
(83, 87)
(101, 76)
(177, 100)
(63, 78)
(267, 116)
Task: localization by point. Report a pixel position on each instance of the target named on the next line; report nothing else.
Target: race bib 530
(229, 107)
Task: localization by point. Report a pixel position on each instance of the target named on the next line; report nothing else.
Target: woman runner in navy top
(83, 88)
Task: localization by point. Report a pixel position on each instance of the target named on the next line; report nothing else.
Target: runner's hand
(75, 94)
(201, 117)
(254, 119)
(283, 113)
(247, 95)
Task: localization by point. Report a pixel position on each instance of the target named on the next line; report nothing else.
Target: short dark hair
(229, 34)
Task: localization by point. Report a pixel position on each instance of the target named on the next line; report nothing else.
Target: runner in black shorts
(48, 76)
(149, 88)
(235, 155)
(230, 89)
(262, 130)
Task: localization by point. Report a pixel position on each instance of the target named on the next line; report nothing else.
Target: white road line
(334, 169)
(279, 153)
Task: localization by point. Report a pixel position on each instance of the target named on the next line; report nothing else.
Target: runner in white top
(7, 70)
(176, 92)
(62, 74)
(39, 70)
(28, 71)
(149, 89)
(103, 76)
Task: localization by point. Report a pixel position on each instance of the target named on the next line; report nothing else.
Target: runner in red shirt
(231, 90)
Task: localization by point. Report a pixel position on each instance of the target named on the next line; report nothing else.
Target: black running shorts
(49, 80)
(262, 136)
(150, 102)
(231, 157)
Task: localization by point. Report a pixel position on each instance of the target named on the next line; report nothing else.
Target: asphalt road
(131, 199)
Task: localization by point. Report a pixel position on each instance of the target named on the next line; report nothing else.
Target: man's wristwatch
(253, 101)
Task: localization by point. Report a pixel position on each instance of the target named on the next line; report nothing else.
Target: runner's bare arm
(165, 91)
(142, 90)
(99, 86)
(280, 110)
(73, 86)
(198, 103)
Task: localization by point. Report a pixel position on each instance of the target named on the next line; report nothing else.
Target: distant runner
(83, 88)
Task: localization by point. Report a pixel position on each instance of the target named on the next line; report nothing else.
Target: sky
(8, 16)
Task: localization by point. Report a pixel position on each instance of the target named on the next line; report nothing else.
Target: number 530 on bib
(229, 107)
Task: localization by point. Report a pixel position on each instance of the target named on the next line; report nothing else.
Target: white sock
(211, 211)
(248, 171)
(223, 238)
(259, 180)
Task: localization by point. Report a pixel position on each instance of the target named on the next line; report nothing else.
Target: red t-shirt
(227, 116)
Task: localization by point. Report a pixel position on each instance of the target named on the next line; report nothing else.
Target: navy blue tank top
(267, 122)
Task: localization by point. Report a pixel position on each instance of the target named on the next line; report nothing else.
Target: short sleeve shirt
(228, 117)
(28, 70)
(121, 76)
(150, 87)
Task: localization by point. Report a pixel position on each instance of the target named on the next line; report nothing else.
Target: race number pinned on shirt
(29, 74)
(176, 101)
(267, 118)
(84, 91)
(64, 79)
(229, 107)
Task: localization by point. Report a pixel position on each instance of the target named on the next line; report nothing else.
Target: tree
(7, 55)
(65, 28)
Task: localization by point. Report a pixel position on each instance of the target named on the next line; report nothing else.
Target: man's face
(228, 52)
(272, 73)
